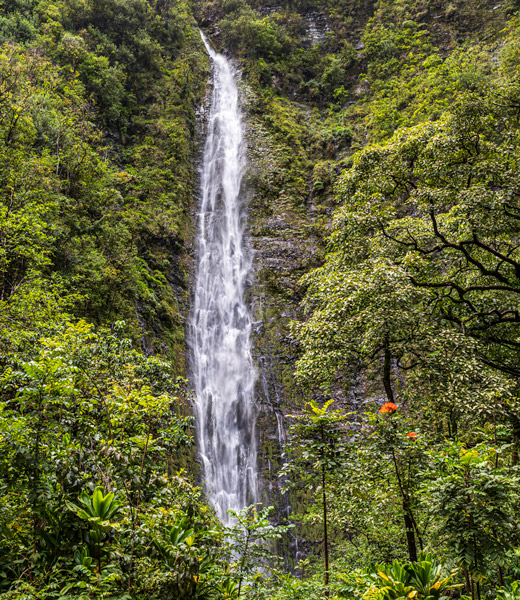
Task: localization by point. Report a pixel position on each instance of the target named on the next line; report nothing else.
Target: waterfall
(222, 371)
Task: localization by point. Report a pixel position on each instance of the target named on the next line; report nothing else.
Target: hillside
(383, 152)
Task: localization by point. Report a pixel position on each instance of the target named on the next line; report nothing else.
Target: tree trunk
(410, 536)
(387, 370)
(325, 532)
(242, 562)
(408, 515)
(467, 584)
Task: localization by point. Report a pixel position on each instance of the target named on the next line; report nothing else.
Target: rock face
(317, 27)
(302, 128)
(285, 245)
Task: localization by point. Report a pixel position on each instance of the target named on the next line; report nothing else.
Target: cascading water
(222, 371)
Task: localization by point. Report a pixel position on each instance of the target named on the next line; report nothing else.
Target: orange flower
(411, 435)
(388, 407)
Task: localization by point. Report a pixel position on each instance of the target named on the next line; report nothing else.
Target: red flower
(388, 407)
(411, 435)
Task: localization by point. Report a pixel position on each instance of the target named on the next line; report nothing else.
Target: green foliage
(184, 561)
(247, 546)
(86, 413)
(93, 211)
(316, 442)
(421, 280)
(98, 509)
(415, 305)
(414, 308)
(510, 593)
(426, 578)
(472, 504)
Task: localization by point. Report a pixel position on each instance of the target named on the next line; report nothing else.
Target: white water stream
(222, 370)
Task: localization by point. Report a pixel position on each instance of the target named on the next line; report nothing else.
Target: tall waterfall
(222, 371)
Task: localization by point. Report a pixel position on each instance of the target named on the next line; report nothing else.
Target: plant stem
(136, 511)
(244, 555)
(387, 370)
(325, 534)
(408, 515)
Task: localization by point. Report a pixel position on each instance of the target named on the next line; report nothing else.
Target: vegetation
(385, 153)
(410, 323)
(415, 308)
(97, 166)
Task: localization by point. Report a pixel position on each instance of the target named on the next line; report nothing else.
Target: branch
(447, 244)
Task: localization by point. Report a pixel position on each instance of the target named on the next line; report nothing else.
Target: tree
(247, 540)
(472, 503)
(391, 437)
(420, 287)
(87, 413)
(439, 201)
(314, 451)
(363, 314)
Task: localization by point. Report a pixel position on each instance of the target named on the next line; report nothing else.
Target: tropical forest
(260, 299)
